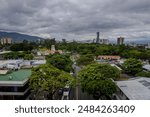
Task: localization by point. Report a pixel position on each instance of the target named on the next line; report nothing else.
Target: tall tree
(132, 66)
(47, 79)
(85, 59)
(62, 62)
(96, 79)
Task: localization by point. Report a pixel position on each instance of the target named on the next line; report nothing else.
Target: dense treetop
(97, 79)
(47, 78)
(99, 49)
(60, 61)
(132, 66)
(85, 59)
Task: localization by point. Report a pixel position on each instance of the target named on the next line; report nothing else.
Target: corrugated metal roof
(136, 89)
(147, 67)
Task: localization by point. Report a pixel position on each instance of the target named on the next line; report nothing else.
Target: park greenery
(97, 80)
(124, 51)
(99, 49)
(46, 80)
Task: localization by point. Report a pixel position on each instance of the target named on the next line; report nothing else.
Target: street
(77, 91)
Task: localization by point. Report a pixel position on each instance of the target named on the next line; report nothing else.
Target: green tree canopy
(132, 66)
(49, 79)
(134, 54)
(85, 59)
(97, 79)
(21, 47)
(143, 74)
(28, 57)
(102, 49)
(62, 62)
(19, 55)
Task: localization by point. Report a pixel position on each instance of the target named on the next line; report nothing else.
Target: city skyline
(74, 19)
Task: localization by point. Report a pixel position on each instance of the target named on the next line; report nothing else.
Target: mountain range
(18, 37)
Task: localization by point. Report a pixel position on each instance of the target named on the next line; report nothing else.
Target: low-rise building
(108, 58)
(15, 85)
(134, 89)
(18, 64)
(36, 63)
(11, 64)
(47, 52)
(53, 52)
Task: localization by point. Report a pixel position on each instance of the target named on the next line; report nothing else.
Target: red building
(106, 57)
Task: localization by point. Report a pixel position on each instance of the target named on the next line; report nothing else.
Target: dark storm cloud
(77, 18)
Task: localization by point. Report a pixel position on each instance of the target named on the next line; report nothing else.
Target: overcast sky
(77, 19)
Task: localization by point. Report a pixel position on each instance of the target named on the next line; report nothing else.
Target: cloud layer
(77, 19)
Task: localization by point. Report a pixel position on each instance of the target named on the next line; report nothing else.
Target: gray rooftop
(136, 89)
(147, 67)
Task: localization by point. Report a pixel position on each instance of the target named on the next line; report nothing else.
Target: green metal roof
(19, 75)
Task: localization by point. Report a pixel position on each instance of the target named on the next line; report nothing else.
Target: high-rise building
(148, 46)
(120, 40)
(6, 40)
(97, 39)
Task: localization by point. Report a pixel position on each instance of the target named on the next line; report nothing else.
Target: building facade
(120, 40)
(107, 57)
(15, 85)
(6, 40)
(97, 39)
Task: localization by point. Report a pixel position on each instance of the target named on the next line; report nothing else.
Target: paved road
(78, 93)
(77, 90)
